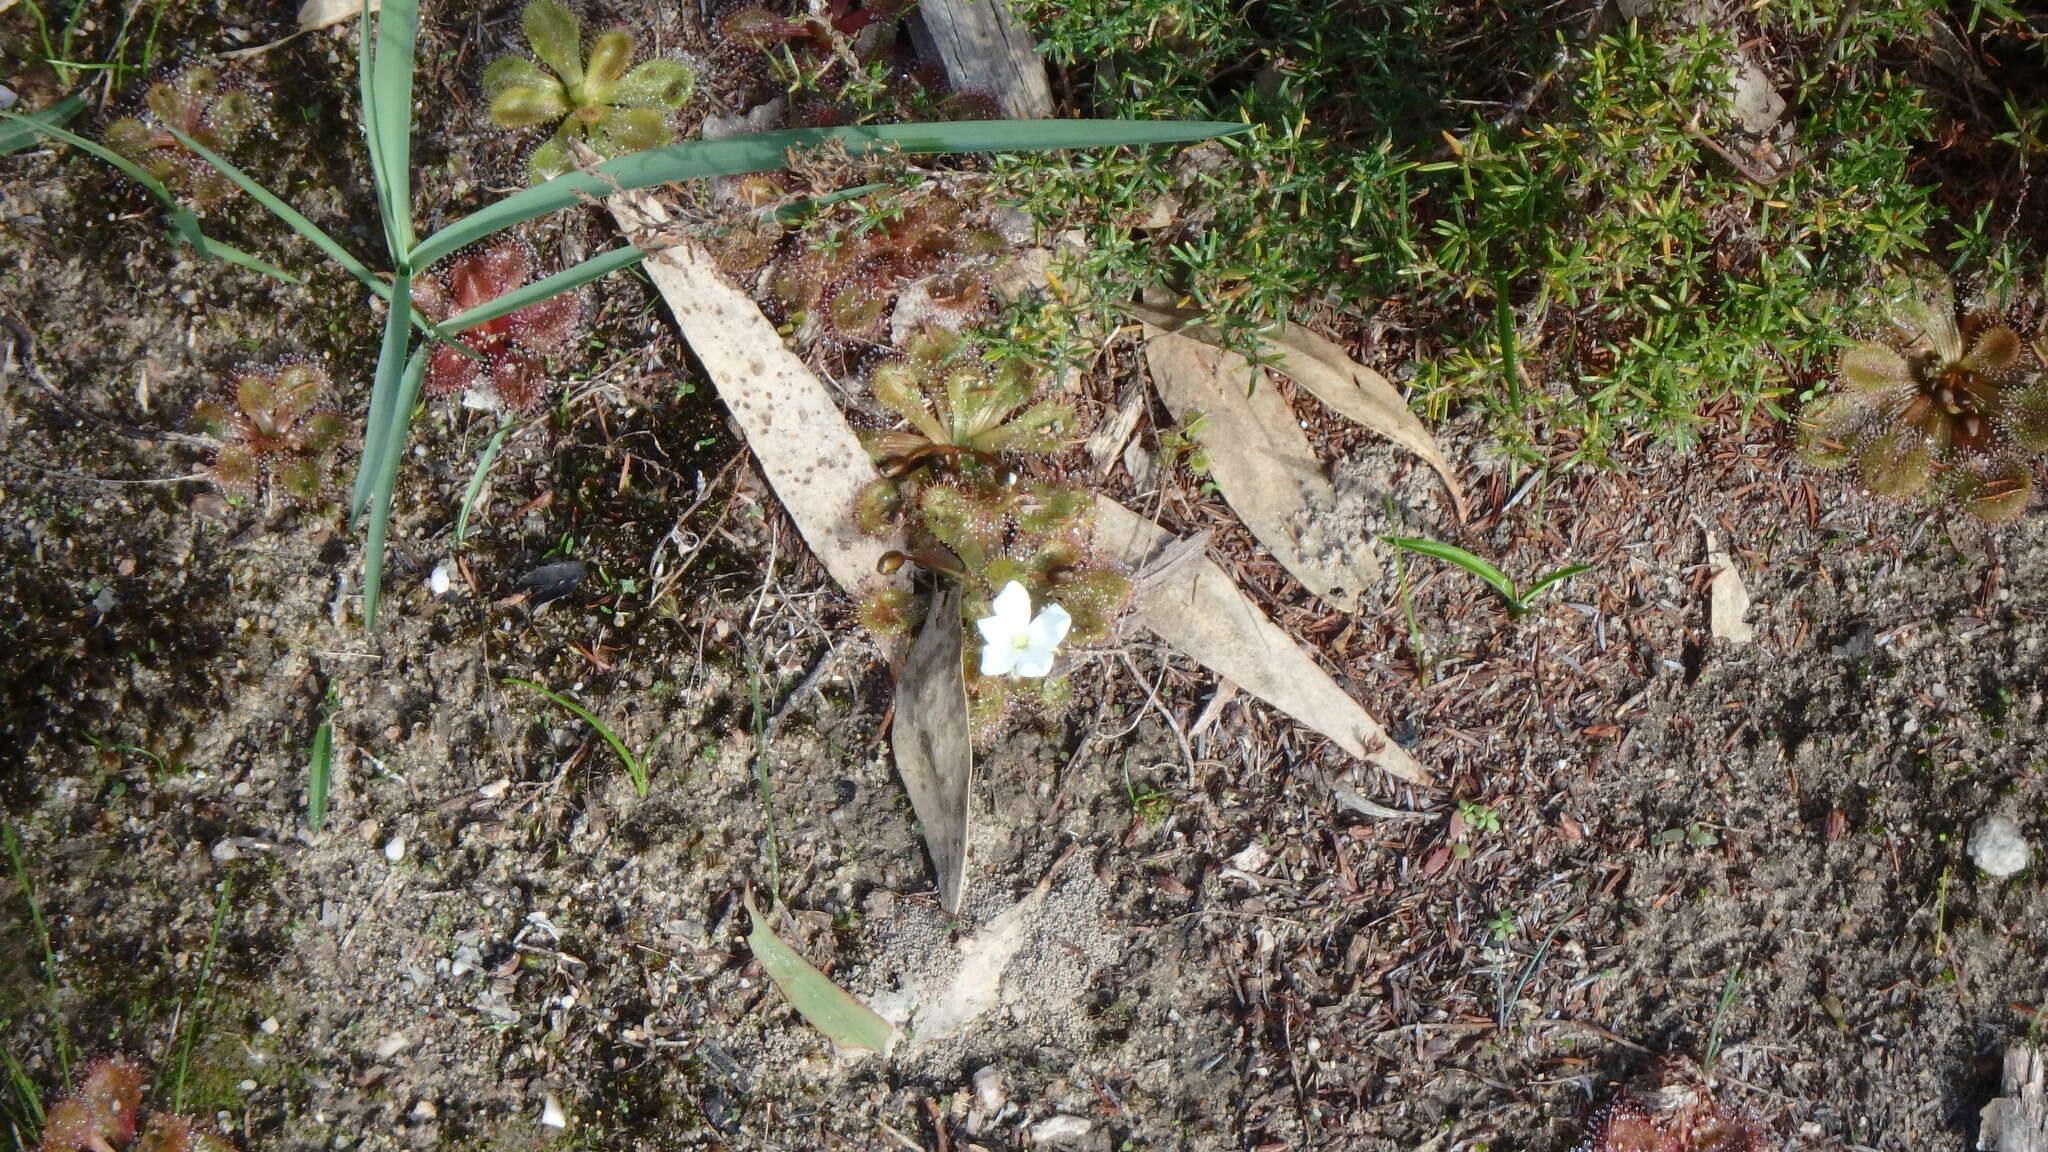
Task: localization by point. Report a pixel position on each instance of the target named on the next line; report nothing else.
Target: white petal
(998, 657)
(1013, 606)
(1050, 627)
(995, 630)
(1032, 663)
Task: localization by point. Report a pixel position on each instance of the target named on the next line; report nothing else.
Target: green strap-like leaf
(767, 151)
(635, 767)
(385, 482)
(387, 105)
(283, 211)
(178, 218)
(15, 137)
(1452, 554)
(567, 280)
(384, 390)
(1557, 577)
(828, 1008)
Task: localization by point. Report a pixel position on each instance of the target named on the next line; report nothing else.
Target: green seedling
(599, 98)
(1518, 601)
(636, 766)
(386, 44)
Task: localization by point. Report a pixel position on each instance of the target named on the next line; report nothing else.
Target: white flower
(1016, 643)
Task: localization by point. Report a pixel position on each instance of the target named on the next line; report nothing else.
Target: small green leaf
(319, 771)
(523, 107)
(517, 72)
(624, 130)
(15, 137)
(556, 37)
(609, 55)
(655, 84)
(1874, 368)
(549, 160)
(1452, 554)
(826, 1006)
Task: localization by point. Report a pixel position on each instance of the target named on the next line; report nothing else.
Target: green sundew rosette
(598, 99)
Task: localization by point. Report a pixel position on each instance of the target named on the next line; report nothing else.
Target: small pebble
(394, 849)
(437, 581)
(551, 1114)
(989, 1091)
(392, 1045)
(1997, 846)
(1061, 1129)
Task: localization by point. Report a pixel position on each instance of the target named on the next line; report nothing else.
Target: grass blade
(567, 280)
(319, 772)
(283, 211)
(635, 767)
(398, 31)
(1452, 554)
(826, 1006)
(15, 137)
(386, 41)
(1557, 577)
(42, 930)
(179, 219)
(384, 481)
(767, 151)
(383, 392)
(477, 478)
(789, 213)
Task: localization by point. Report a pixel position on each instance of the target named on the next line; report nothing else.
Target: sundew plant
(411, 338)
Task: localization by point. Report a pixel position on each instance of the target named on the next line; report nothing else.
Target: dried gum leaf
(1347, 387)
(1261, 462)
(934, 753)
(1196, 607)
(795, 429)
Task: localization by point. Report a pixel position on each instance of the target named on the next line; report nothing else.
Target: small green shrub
(1540, 216)
(600, 98)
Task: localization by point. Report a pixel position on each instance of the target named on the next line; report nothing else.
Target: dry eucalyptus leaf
(1349, 388)
(934, 753)
(1196, 607)
(792, 423)
(826, 1006)
(317, 14)
(1727, 599)
(1261, 462)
